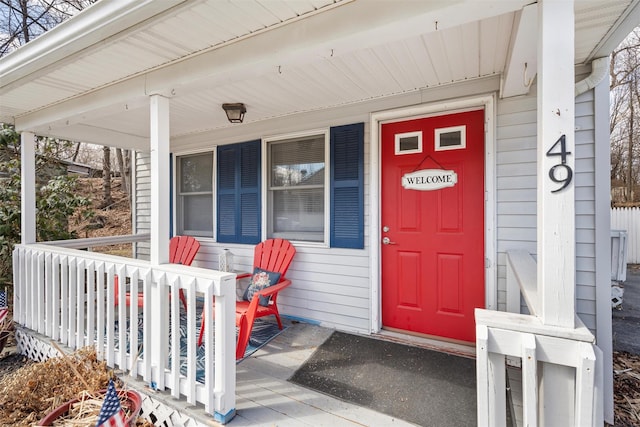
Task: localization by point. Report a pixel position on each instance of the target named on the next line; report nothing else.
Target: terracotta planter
(133, 404)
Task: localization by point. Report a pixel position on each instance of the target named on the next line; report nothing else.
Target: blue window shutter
(249, 210)
(238, 195)
(347, 186)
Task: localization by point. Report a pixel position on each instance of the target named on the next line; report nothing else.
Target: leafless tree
(124, 165)
(107, 200)
(625, 114)
(23, 20)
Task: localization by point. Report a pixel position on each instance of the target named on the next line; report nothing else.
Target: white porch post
(160, 203)
(556, 209)
(159, 251)
(28, 188)
(556, 205)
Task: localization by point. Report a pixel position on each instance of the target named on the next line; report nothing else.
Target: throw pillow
(259, 280)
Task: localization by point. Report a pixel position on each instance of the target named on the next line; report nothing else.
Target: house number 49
(559, 148)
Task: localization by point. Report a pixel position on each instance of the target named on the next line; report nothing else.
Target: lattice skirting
(37, 348)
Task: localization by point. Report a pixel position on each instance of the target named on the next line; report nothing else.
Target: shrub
(57, 202)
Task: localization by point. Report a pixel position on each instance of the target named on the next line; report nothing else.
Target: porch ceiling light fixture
(235, 112)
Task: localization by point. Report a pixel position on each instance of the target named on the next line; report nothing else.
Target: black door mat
(421, 386)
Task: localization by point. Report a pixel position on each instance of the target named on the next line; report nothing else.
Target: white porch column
(159, 251)
(556, 201)
(556, 206)
(160, 203)
(28, 188)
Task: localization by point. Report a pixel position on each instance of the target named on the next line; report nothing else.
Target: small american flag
(4, 310)
(111, 413)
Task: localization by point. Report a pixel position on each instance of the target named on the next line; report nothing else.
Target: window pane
(195, 173)
(194, 198)
(197, 219)
(298, 162)
(299, 214)
(297, 194)
(448, 139)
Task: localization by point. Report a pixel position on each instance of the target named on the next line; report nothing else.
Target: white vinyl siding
(516, 186)
(142, 200)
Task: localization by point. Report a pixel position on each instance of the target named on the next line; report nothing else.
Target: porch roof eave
(244, 58)
(249, 59)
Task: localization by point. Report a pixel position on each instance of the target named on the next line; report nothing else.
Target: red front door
(432, 250)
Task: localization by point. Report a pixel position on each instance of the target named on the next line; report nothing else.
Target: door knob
(387, 241)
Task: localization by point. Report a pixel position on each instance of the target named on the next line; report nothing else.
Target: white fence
(628, 219)
(68, 295)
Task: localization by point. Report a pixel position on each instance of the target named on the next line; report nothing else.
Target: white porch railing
(68, 295)
(541, 349)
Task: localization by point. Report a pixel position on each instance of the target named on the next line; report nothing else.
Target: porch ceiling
(278, 57)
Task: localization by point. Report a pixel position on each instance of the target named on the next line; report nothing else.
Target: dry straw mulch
(31, 392)
(626, 385)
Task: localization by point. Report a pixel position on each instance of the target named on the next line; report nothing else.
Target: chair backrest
(274, 255)
(183, 249)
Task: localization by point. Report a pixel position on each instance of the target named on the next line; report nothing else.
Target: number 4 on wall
(563, 153)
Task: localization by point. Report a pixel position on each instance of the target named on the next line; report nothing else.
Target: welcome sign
(429, 179)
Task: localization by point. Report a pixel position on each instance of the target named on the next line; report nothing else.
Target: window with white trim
(194, 194)
(296, 188)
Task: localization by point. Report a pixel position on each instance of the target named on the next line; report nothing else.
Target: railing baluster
(32, 290)
(146, 336)
(57, 313)
(91, 303)
(73, 288)
(122, 316)
(191, 340)
(41, 293)
(133, 332)
(80, 298)
(482, 375)
(64, 299)
(175, 337)
(529, 381)
(585, 384)
(100, 315)
(110, 312)
(48, 295)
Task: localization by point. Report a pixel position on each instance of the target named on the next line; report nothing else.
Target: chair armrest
(273, 289)
(243, 276)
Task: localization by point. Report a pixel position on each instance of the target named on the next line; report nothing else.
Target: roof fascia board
(618, 32)
(97, 23)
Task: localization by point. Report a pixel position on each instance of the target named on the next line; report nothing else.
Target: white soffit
(281, 58)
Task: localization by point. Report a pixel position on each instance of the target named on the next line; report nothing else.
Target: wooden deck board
(265, 397)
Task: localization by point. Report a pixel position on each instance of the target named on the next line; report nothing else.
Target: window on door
(296, 190)
(194, 198)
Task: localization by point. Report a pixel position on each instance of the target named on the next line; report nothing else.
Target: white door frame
(443, 107)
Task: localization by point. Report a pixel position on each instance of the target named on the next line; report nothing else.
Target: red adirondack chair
(273, 255)
(182, 250)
